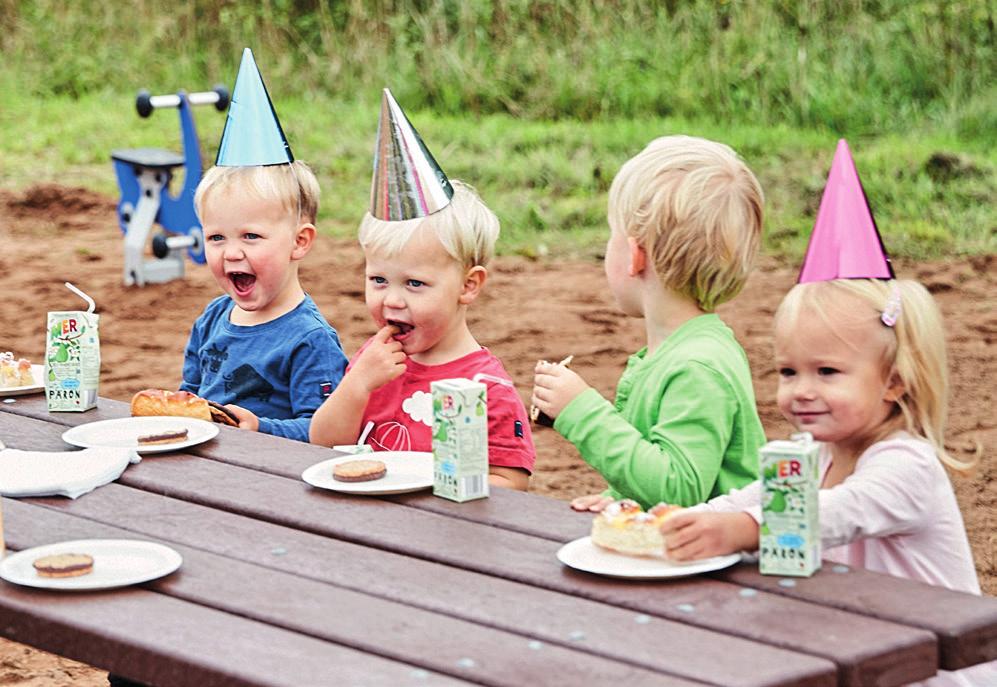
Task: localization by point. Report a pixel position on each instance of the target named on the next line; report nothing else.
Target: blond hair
(466, 227)
(696, 209)
(913, 349)
(294, 186)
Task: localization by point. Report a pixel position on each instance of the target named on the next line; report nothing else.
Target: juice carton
(72, 358)
(790, 531)
(460, 439)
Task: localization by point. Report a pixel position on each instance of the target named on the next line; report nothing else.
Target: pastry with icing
(624, 527)
(15, 372)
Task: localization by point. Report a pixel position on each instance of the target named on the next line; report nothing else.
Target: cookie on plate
(64, 565)
(364, 470)
(167, 436)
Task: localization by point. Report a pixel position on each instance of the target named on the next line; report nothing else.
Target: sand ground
(530, 310)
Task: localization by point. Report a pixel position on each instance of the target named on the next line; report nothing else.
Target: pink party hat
(845, 243)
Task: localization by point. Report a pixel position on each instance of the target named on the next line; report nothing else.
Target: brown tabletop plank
(528, 513)
(865, 649)
(966, 625)
(433, 641)
(557, 619)
(168, 642)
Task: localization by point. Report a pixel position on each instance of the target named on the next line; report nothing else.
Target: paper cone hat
(845, 243)
(407, 182)
(252, 135)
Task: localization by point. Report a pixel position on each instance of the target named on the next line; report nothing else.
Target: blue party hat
(407, 183)
(252, 135)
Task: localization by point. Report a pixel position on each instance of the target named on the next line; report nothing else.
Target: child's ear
(638, 257)
(894, 389)
(303, 240)
(474, 280)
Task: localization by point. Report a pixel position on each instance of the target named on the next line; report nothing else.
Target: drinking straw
(363, 435)
(82, 295)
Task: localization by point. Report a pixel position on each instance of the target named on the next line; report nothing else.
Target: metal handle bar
(145, 102)
(163, 244)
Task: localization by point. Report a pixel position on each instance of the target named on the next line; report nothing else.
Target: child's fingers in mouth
(403, 328)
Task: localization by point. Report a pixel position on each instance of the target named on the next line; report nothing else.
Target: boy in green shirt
(685, 220)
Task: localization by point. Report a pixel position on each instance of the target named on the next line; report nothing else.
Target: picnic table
(283, 583)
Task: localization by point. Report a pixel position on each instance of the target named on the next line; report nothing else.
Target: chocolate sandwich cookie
(169, 436)
(222, 415)
(537, 416)
(64, 565)
(359, 471)
(540, 418)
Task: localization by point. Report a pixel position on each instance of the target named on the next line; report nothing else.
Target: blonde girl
(861, 367)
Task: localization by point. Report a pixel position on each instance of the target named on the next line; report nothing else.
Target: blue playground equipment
(144, 176)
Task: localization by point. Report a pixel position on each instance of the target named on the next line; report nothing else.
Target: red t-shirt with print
(402, 409)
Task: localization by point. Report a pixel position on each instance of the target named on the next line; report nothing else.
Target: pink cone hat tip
(845, 243)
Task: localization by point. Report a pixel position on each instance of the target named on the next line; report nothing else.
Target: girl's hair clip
(891, 313)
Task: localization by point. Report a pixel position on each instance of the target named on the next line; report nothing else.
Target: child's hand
(380, 362)
(554, 387)
(247, 420)
(593, 503)
(691, 535)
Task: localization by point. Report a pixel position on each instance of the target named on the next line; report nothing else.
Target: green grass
(538, 103)
(851, 66)
(547, 180)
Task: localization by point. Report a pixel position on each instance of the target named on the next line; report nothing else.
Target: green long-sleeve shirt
(684, 427)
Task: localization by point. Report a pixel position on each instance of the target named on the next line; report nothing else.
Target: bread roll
(155, 402)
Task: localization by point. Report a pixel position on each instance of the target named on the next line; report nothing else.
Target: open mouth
(242, 282)
(404, 328)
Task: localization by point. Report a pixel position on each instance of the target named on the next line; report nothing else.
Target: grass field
(933, 193)
(537, 104)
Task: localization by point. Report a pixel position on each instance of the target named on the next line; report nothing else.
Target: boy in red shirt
(426, 243)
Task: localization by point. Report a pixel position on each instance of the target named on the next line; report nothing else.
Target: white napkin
(62, 473)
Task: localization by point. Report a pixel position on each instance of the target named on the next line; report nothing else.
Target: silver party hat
(408, 183)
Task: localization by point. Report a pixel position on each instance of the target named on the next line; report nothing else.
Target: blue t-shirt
(280, 370)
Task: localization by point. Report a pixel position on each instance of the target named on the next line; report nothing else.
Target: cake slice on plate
(624, 527)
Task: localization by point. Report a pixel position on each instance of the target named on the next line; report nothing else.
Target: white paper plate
(582, 554)
(407, 471)
(124, 433)
(38, 372)
(116, 563)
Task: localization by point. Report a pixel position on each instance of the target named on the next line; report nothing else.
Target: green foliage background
(538, 103)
